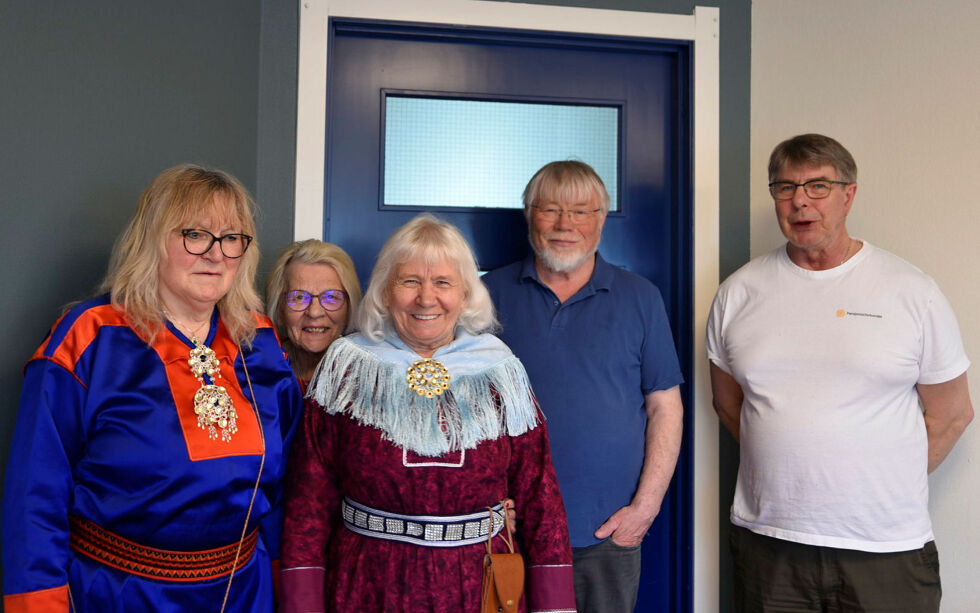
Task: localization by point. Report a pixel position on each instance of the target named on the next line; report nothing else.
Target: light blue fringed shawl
(365, 380)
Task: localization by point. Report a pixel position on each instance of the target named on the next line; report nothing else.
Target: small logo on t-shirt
(841, 313)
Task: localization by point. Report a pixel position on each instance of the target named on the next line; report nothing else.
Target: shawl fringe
(497, 400)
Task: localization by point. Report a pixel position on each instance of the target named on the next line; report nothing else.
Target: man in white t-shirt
(840, 369)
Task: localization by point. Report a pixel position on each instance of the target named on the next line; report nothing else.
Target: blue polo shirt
(591, 362)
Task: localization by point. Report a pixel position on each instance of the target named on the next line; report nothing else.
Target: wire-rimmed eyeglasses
(199, 242)
(330, 300)
(815, 188)
(552, 213)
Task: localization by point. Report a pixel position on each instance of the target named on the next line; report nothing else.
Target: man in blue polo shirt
(597, 346)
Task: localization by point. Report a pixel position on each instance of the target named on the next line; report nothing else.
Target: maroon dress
(327, 567)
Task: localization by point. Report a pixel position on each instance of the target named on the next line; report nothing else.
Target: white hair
(434, 240)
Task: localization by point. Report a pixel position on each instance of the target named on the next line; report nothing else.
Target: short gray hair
(813, 150)
(435, 240)
(566, 180)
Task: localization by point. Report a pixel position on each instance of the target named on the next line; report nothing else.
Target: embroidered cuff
(302, 589)
(551, 589)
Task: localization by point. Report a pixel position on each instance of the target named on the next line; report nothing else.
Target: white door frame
(702, 28)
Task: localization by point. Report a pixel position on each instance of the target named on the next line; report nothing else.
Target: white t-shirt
(833, 442)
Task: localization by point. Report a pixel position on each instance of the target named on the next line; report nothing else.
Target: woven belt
(424, 530)
(94, 541)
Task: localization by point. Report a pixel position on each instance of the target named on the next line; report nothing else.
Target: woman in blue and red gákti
(148, 456)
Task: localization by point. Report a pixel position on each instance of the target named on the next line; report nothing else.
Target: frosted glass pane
(470, 153)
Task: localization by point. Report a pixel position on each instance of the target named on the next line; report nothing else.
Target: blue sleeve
(48, 440)
(660, 369)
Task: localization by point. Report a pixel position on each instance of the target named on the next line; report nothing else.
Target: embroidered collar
(488, 396)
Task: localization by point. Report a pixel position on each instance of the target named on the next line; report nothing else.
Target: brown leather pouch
(503, 576)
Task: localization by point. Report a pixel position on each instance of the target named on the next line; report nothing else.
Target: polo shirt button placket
(556, 314)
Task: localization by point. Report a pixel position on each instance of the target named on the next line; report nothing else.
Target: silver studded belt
(424, 530)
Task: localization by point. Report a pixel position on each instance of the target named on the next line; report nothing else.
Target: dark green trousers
(777, 576)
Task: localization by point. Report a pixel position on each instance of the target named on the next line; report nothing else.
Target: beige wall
(898, 83)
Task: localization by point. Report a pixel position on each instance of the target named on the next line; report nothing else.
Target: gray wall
(97, 97)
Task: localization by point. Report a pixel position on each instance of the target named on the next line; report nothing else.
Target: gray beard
(563, 264)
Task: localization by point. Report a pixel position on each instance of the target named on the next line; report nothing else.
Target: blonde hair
(311, 251)
(434, 240)
(173, 198)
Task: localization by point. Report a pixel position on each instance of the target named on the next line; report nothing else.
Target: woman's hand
(511, 514)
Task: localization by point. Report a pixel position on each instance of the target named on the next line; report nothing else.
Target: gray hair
(569, 181)
(434, 240)
(813, 150)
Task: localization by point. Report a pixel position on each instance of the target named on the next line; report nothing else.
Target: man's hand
(627, 526)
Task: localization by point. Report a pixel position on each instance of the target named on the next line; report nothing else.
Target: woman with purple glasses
(311, 296)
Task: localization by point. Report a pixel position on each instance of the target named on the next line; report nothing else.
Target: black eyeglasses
(816, 188)
(331, 299)
(198, 242)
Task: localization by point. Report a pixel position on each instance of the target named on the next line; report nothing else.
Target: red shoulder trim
(262, 320)
(83, 331)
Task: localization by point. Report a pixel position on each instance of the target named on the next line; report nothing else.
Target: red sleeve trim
(53, 600)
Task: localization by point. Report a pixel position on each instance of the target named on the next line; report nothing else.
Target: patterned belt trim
(91, 540)
(424, 530)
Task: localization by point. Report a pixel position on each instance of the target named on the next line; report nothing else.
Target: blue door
(650, 234)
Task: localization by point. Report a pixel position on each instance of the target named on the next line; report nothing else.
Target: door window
(474, 153)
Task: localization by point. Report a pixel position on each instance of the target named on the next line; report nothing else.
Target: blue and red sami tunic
(107, 438)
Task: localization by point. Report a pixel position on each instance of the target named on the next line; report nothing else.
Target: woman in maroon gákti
(415, 426)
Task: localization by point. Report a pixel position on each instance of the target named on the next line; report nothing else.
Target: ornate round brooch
(214, 407)
(428, 378)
